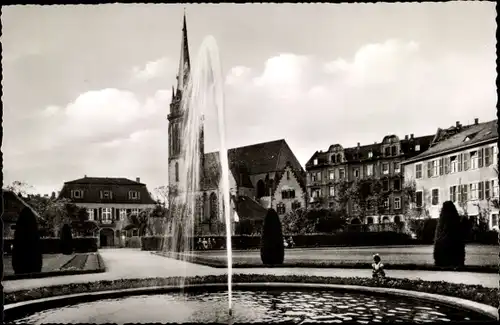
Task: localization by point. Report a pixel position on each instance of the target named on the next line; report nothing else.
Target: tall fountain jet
(201, 91)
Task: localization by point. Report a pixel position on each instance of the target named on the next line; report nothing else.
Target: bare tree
(162, 194)
(19, 187)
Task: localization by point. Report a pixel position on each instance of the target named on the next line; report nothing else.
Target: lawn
(59, 263)
(477, 256)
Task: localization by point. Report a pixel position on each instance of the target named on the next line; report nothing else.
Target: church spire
(184, 62)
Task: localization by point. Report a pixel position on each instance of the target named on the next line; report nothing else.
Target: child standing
(377, 267)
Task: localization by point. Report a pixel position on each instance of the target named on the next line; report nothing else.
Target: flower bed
(241, 262)
(488, 296)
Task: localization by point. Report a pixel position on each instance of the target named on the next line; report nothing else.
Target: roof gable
(13, 205)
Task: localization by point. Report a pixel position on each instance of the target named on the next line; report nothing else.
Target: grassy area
(59, 264)
(476, 293)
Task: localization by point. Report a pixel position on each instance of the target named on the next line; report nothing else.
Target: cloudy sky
(87, 88)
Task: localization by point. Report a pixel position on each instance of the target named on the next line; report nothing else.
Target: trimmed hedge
(52, 245)
(272, 249)
(154, 243)
(480, 294)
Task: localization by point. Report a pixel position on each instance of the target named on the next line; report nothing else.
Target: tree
(66, 240)
(141, 222)
(298, 222)
(272, 250)
(378, 197)
(449, 242)
(27, 250)
(360, 193)
(162, 194)
(328, 220)
(343, 195)
(19, 187)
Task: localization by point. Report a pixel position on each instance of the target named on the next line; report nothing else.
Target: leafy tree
(66, 240)
(449, 242)
(343, 193)
(272, 250)
(151, 221)
(360, 193)
(378, 197)
(162, 194)
(328, 220)
(27, 252)
(298, 222)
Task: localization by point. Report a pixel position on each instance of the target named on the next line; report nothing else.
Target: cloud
(152, 69)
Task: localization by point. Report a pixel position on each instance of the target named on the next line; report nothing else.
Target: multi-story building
(326, 171)
(460, 166)
(109, 201)
(265, 174)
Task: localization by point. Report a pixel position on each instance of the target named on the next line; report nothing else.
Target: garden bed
(480, 294)
(242, 262)
(58, 265)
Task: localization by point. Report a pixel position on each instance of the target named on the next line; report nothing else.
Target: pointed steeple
(184, 62)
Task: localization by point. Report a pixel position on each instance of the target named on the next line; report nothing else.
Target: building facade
(109, 201)
(329, 172)
(461, 166)
(255, 170)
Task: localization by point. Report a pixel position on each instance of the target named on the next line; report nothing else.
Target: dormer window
(315, 162)
(417, 147)
(370, 154)
(106, 194)
(77, 194)
(133, 195)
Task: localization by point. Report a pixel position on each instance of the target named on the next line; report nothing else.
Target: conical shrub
(449, 241)
(66, 240)
(27, 250)
(272, 250)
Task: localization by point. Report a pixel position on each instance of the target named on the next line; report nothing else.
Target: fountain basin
(253, 302)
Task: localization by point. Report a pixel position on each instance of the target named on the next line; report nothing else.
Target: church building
(261, 175)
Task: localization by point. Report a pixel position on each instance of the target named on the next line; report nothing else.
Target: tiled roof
(255, 159)
(120, 187)
(357, 154)
(13, 205)
(249, 209)
(476, 133)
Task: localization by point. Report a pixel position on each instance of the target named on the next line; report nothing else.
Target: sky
(86, 89)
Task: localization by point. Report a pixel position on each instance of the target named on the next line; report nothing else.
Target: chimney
(138, 179)
(476, 121)
(406, 137)
(457, 124)
(358, 144)
(411, 136)
(84, 176)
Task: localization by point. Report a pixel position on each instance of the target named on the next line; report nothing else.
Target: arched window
(397, 219)
(386, 219)
(214, 206)
(176, 171)
(198, 209)
(333, 158)
(369, 220)
(339, 158)
(261, 189)
(355, 221)
(205, 207)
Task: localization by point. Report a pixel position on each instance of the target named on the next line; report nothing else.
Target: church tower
(176, 119)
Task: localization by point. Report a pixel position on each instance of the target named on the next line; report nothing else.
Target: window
(473, 191)
(419, 198)
(332, 191)
(435, 167)
(487, 193)
(453, 193)
(494, 188)
(296, 205)
(288, 194)
(474, 160)
(480, 190)
(339, 158)
(133, 195)
(466, 161)
(356, 172)
(370, 154)
(453, 164)
(387, 151)
(134, 211)
(341, 173)
(397, 184)
(318, 176)
(313, 177)
(397, 167)
(176, 171)
(331, 175)
(369, 170)
(463, 197)
(315, 162)
(106, 194)
(394, 150)
(435, 196)
(280, 208)
(488, 156)
(123, 214)
(494, 220)
(418, 171)
(417, 147)
(90, 212)
(316, 193)
(106, 214)
(288, 175)
(385, 168)
(387, 203)
(385, 184)
(333, 158)
(77, 194)
(397, 203)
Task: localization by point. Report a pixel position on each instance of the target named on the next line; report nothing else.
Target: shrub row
(480, 294)
(52, 245)
(154, 243)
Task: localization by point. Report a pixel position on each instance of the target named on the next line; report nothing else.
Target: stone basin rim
(485, 310)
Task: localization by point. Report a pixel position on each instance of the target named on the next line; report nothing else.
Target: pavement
(126, 263)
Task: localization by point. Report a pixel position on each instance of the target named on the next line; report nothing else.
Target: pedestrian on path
(377, 267)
